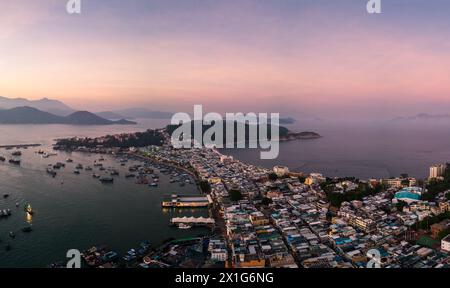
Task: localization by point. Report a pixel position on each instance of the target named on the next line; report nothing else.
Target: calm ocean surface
(82, 212)
(385, 149)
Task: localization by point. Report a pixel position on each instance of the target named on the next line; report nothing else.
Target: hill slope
(30, 115)
(44, 104)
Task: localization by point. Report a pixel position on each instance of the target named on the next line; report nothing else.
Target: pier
(190, 201)
(195, 221)
(19, 146)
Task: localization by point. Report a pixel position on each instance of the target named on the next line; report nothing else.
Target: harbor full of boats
(80, 199)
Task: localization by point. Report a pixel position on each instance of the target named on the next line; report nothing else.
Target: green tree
(400, 205)
(273, 176)
(235, 195)
(405, 182)
(443, 234)
(205, 186)
(266, 201)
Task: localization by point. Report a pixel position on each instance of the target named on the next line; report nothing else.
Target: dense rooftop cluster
(277, 218)
(287, 220)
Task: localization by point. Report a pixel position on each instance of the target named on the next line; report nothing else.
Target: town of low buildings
(288, 222)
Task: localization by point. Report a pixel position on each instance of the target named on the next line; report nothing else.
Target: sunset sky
(324, 58)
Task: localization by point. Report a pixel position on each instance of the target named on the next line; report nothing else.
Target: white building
(445, 244)
(347, 186)
(315, 178)
(220, 254)
(226, 159)
(437, 171)
(280, 170)
(398, 182)
(218, 250)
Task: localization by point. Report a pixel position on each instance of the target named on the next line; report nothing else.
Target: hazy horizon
(302, 58)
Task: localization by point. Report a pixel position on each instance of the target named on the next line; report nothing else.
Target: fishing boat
(14, 161)
(59, 165)
(5, 196)
(184, 226)
(96, 176)
(51, 172)
(2, 159)
(76, 172)
(12, 234)
(5, 213)
(88, 168)
(28, 209)
(27, 229)
(68, 160)
(106, 179)
(16, 153)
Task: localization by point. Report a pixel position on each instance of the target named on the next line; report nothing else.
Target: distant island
(55, 107)
(29, 115)
(423, 117)
(135, 113)
(156, 137)
(126, 140)
(300, 136)
(59, 108)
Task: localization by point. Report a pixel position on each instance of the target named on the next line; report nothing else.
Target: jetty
(190, 201)
(194, 221)
(19, 146)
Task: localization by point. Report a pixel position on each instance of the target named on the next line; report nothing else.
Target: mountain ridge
(31, 115)
(45, 104)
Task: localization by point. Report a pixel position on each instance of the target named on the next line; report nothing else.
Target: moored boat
(106, 179)
(51, 172)
(27, 229)
(184, 226)
(28, 209)
(14, 161)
